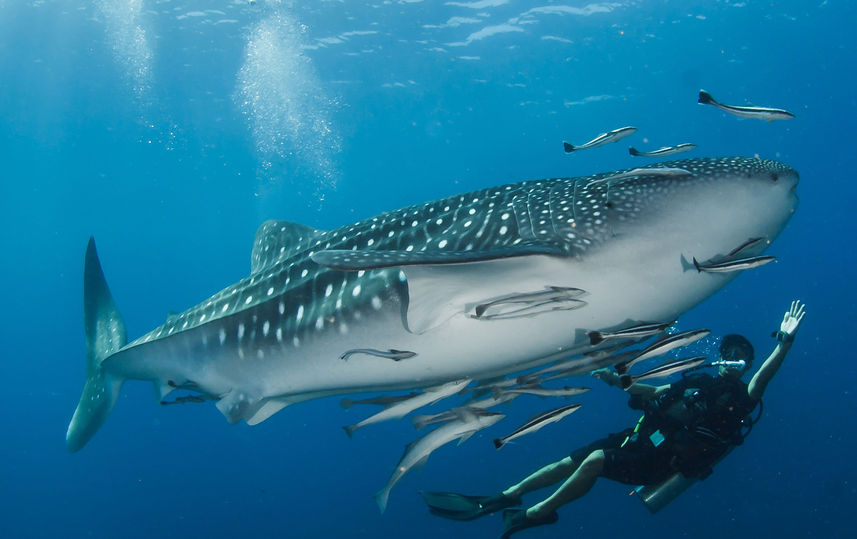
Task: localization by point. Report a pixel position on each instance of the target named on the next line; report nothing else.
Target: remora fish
(663, 152)
(384, 400)
(729, 266)
(395, 355)
(662, 346)
(554, 298)
(477, 407)
(410, 277)
(542, 391)
(402, 408)
(762, 113)
(537, 422)
(637, 331)
(416, 453)
(752, 242)
(667, 172)
(602, 139)
(667, 369)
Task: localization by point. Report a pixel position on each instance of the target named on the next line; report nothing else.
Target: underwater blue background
(170, 130)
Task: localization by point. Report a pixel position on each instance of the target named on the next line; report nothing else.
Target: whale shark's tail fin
(105, 335)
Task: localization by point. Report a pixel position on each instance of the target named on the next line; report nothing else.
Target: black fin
(696, 265)
(705, 98)
(633, 151)
(498, 443)
(568, 147)
(621, 368)
(595, 337)
(625, 381)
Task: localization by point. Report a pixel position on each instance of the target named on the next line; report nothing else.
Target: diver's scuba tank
(656, 497)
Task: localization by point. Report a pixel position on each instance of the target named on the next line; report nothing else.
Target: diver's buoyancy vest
(699, 418)
(718, 404)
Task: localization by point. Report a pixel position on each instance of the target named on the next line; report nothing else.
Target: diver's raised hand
(791, 322)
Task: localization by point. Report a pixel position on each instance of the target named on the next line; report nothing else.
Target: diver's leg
(575, 486)
(545, 476)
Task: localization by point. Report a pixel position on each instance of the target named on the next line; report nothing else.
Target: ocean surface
(169, 130)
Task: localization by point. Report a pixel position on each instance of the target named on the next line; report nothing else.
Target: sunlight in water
(281, 96)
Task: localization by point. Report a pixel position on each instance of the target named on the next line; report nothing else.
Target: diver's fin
(105, 335)
(462, 507)
(515, 520)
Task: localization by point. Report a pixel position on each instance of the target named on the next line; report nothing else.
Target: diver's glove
(791, 323)
(607, 376)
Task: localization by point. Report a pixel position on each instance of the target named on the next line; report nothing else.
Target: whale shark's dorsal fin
(278, 240)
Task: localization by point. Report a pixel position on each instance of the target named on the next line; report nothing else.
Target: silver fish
(663, 152)
(416, 453)
(602, 139)
(729, 266)
(395, 355)
(384, 400)
(479, 406)
(662, 346)
(537, 422)
(762, 113)
(402, 408)
(636, 331)
(667, 369)
(542, 391)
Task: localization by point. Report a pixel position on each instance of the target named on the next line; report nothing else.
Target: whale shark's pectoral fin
(266, 408)
(442, 284)
(437, 293)
(237, 405)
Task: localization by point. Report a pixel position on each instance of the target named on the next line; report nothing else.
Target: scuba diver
(686, 428)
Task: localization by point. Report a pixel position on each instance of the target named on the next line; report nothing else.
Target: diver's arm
(785, 336)
(646, 391)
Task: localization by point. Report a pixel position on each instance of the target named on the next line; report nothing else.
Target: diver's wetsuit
(687, 429)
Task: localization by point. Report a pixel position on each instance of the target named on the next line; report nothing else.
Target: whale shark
(469, 287)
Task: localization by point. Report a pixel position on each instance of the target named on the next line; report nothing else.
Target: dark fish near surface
(395, 355)
(602, 139)
(663, 152)
(662, 346)
(729, 266)
(667, 369)
(761, 113)
(385, 400)
(537, 422)
(637, 331)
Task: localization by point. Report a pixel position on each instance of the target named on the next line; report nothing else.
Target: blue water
(170, 129)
